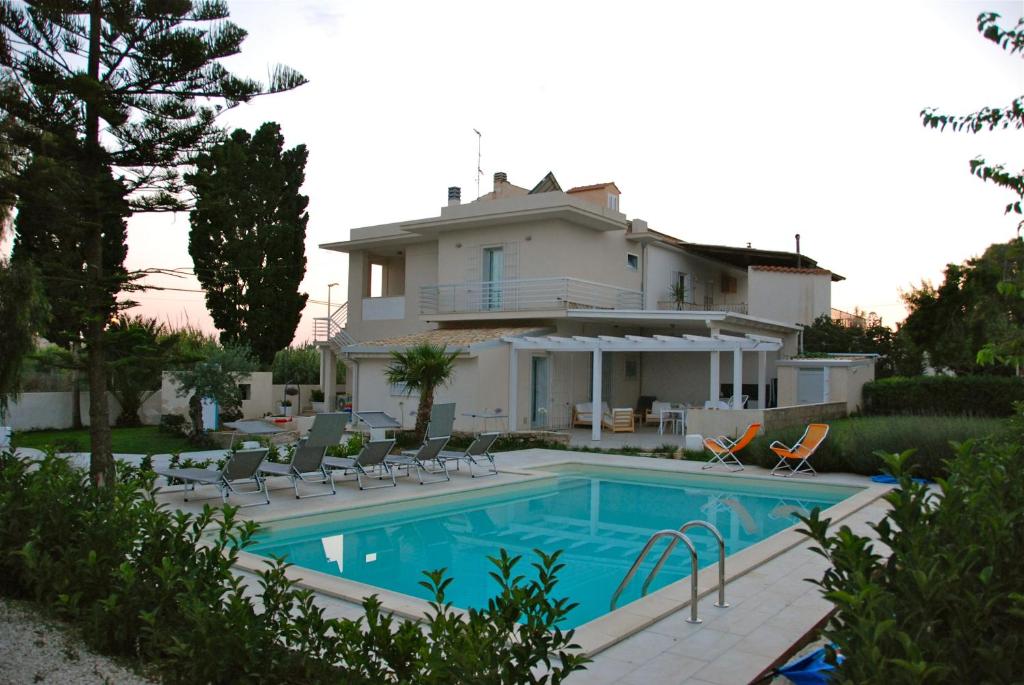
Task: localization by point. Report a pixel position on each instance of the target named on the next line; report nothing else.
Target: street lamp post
(329, 319)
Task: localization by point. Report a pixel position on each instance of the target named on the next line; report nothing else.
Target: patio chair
(583, 413)
(723, 449)
(242, 466)
(653, 414)
(428, 452)
(371, 461)
(619, 420)
(801, 452)
(643, 407)
(306, 466)
(478, 451)
(442, 420)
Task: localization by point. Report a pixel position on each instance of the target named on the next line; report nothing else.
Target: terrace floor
(773, 606)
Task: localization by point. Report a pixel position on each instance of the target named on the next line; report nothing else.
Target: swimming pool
(600, 516)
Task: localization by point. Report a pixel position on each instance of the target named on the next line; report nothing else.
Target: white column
(595, 398)
(329, 376)
(513, 388)
(762, 370)
(716, 384)
(737, 379)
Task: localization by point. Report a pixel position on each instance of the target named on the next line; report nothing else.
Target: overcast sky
(720, 122)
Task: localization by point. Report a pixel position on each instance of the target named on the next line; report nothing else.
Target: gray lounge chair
(307, 466)
(475, 455)
(429, 451)
(369, 462)
(242, 466)
(442, 420)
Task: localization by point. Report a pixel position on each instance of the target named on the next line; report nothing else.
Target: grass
(141, 440)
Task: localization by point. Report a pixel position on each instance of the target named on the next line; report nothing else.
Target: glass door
(494, 274)
(541, 396)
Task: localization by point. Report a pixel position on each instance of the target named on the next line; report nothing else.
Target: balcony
(384, 308)
(670, 305)
(525, 295)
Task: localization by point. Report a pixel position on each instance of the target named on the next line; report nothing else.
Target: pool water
(600, 516)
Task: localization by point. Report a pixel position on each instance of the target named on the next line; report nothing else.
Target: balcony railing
(737, 308)
(332, 328)
(524, 295)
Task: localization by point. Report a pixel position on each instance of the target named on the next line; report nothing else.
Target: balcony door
(540, 404)
(494, 274)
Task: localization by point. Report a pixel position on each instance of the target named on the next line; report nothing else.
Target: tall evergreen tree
(138, 84)
(248, 238)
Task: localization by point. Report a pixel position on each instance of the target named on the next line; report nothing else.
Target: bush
(172, 423)
(852, 444)
(297, 365)
(145, 583)
(946, 606)
(316, 395)
(944, 395)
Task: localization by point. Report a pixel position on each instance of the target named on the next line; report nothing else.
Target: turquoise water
(601, 517)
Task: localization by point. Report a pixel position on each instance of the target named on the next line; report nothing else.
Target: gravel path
(36, 650)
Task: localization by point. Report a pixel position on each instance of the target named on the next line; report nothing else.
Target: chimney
(454, 196)
(500, 179)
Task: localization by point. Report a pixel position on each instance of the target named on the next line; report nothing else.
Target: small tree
(23, 311)
(140, 349)
(422, 368)
(216, 376)
(248, 238)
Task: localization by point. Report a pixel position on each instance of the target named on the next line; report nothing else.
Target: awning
(640, 343)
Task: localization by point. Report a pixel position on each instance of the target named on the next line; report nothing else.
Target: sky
(720, 122)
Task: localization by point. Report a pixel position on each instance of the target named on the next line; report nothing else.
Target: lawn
(141, 440)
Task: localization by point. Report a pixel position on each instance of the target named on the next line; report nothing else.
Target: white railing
(738, 308)
(326, 328)
(526, 294)
(383, 308)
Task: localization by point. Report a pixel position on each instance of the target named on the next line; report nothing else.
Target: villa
(555, 298)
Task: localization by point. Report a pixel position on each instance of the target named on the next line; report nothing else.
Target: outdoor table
(252, 427)
(670, 415)
(379, 423)
(485, 416)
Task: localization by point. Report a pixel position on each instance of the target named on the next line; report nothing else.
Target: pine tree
(138, 84)
(248, 238)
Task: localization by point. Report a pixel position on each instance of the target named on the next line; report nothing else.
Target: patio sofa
(616, 420)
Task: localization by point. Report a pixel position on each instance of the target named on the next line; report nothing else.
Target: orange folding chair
(723, 450)
(801, 452)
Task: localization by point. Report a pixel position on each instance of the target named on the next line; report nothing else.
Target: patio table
(677, 417)
(486, 416)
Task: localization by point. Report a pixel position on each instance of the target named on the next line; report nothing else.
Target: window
(682, 285)
(399, 390)
(729, 284)
(632, 261)
(613, 202)
(376, 280)
(245, 391)
(630, 369)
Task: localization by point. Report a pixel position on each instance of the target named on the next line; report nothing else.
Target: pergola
(715, 344)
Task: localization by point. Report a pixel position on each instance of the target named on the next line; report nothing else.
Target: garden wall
(732, 422)
(40, 410)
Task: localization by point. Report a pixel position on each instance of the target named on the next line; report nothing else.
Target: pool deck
(773, 606)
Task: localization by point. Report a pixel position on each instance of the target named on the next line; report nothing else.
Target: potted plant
(677, 291)
(290, 404)
(286, 407)
(316, 398)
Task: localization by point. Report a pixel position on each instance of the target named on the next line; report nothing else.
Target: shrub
(316, 395)
(297, 365)
(146, 583)
(852, 444)
(944, 395)
(172, 423)
(946, 606)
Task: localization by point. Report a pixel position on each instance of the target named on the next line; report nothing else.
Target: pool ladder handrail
(677, 537)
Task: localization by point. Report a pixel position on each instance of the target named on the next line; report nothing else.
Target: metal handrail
(325, 328)
(721, 559)
(677, 537)
(525, 294)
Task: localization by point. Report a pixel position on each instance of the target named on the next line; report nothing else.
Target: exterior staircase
(330, 330)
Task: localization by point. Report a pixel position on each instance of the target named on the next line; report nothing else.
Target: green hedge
(158, 587)
(851, 443)
(937, 597)
(944, 395)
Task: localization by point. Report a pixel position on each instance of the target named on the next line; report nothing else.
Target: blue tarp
(891, 480)
(809, 670)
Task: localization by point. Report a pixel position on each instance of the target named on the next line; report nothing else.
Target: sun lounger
(429, 452)
(723, 449)
(241, 467)
(475, 455)
(307, 466)
(371, 461)
(801, 452)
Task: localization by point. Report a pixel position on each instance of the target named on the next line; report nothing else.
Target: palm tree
(422, 368)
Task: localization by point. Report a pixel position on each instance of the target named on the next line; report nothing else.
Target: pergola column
(595, 397)
(762, 370)
(716, 383)
(737, 378)
(329, 376)
(513, 388)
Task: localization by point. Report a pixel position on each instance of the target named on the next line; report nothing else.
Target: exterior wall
(417, 268)
(375, 394)
(664, 262)
(542, 249)
(52, 410)
(789, 297)
(263, 399)
(845, 382)
(710, 422)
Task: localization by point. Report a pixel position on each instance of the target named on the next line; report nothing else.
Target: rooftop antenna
(479, 169)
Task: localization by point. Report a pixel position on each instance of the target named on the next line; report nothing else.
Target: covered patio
(713, 345)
